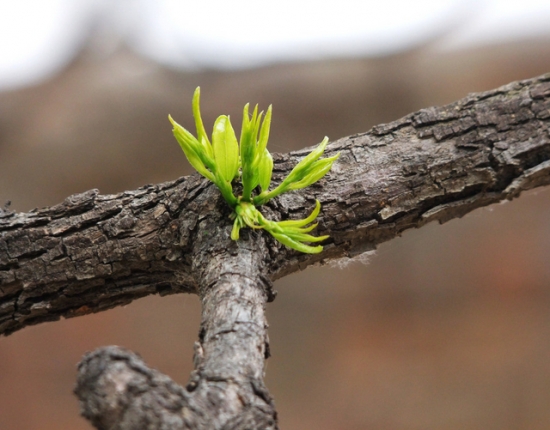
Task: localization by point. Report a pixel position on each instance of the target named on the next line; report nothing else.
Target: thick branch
(95, 252)
(433, 165)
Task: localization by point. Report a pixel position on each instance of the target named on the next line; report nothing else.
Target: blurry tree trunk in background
(94, 252)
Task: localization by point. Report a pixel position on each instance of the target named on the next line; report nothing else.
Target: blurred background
(447, 327)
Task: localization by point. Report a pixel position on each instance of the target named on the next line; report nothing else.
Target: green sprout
(222, 159)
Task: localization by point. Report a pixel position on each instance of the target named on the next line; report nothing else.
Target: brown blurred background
(447, 327)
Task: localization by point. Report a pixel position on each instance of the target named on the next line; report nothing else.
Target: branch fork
(93, 252)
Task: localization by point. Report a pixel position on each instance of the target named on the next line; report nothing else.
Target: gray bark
(226, 389)
(94, 252)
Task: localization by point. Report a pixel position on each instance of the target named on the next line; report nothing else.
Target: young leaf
(192, 150)
(249, 133)
(302, 168)
(285, 240)
(316, 171)
(302, 237)
(299, 172)
(201, 132)
(305, 221)
(226, 149)
(264, 132)
(265, 169)
(300, 230)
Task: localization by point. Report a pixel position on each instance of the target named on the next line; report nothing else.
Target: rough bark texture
(95, 252)
(226, 389)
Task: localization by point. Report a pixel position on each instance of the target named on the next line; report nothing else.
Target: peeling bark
(95, 252)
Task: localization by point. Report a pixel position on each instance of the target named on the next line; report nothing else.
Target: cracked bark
(95, 252)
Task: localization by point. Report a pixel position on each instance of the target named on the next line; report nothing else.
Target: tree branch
(226, 389)
(432, 165)
(95, 252)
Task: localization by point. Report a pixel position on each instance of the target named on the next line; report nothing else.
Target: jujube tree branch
(94, 252)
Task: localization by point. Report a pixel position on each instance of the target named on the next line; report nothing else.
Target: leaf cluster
(225, 158)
